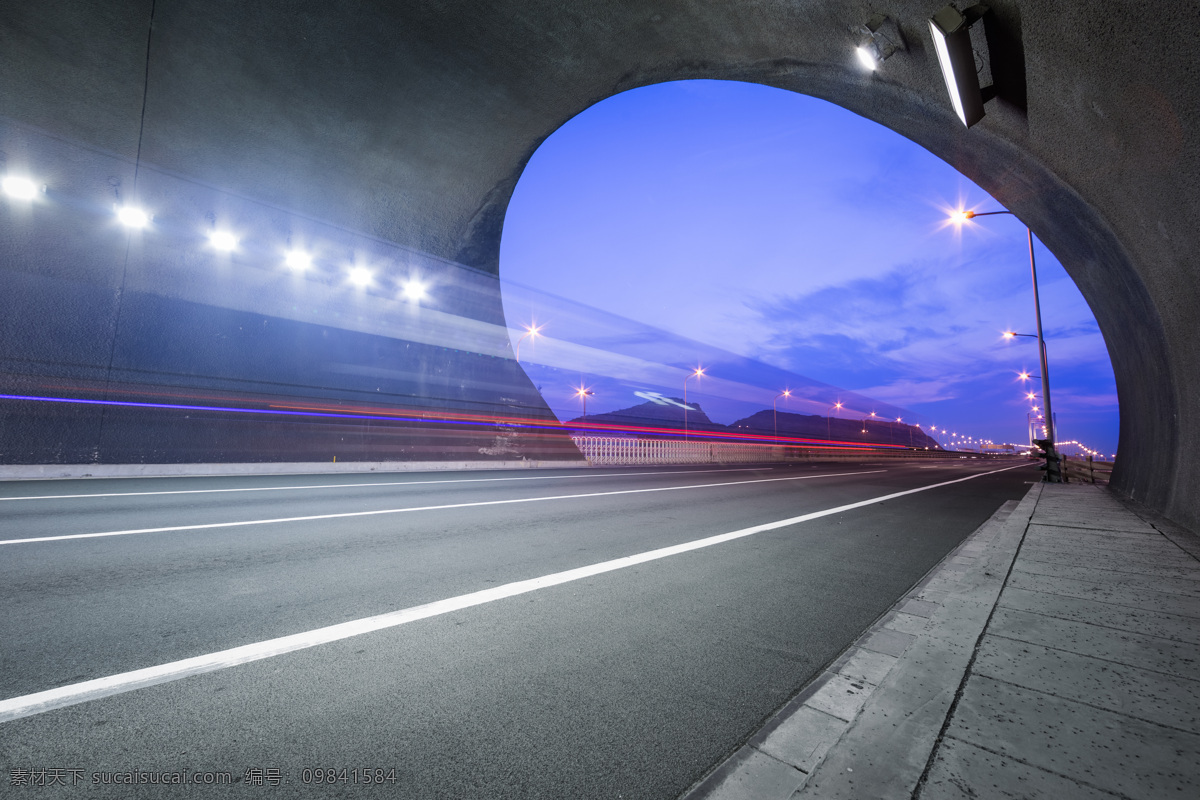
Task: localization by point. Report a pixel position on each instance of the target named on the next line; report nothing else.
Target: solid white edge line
(346, 514)
(40, 702)
(357, 485)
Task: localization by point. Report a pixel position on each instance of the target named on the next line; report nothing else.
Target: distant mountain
(814, 426)
(657, 415)
(805, 426)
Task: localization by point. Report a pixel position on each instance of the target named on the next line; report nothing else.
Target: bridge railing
(618, 451)
(1086, 470)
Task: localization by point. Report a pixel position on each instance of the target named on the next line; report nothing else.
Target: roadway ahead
(626, 683)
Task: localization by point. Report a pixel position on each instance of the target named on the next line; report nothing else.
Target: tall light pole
(697, 373)
(584, 392)
(837, 408)
(1052, 456)
(531, 332)
(775, 411)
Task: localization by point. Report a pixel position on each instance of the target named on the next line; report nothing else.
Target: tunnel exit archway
(788, 230)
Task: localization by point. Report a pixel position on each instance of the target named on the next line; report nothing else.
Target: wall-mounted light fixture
(20, 188)
(875, 46)
(222, 240)
(133, 217)
(951, 31)
(298, 260)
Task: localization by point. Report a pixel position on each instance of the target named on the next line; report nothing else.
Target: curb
(866, 726)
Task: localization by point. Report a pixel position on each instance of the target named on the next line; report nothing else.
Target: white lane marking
(345, 514)
(386, 483)
(40, 702)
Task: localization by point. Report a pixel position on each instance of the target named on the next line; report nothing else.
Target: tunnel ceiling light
(875, 46)
(19, 188)
(224, 241)
(360, 276)
(298, 260)
(414, 291)
(951, 31)
(133, 217)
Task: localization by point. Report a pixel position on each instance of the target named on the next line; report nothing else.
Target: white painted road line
(41, 702)
(346, 514)
(387, 483)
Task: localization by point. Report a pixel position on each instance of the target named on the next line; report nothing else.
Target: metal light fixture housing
(951, 31)
(875, 46)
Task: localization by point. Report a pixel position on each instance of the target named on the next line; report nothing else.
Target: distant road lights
(224, 241)
(297, 260)
(414, 290)
(360, 277)
(19, 188)
(532, 331)
(133, 217)
(775, 411)
(696, 373)
(584, 393)
(837, 409)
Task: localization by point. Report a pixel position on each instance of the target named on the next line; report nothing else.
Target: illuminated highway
(550, 664)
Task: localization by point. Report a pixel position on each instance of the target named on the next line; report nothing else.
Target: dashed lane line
(444, 507)
(357, 485)
(41, 702)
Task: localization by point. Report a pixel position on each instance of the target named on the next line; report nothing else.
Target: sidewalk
(1055, 653)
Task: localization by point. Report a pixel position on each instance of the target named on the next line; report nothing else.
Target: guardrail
(630, 451)
(1086, 470)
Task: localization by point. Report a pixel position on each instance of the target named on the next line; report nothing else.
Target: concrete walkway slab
(1056, 654)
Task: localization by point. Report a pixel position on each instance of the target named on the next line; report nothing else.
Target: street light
(837, 407)
(532, 331)
(1051, 456)
(775, 412)
(697, 373)
(583, 392)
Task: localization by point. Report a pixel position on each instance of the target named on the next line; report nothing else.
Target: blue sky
(786, 241)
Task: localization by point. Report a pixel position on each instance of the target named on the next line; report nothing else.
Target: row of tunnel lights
(22, 188)
(223, 241)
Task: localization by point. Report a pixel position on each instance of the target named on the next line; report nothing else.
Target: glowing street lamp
(583, 393)
(1051, 461)
(532, 331)
(837, 409)
(775, 412)
(697, 373)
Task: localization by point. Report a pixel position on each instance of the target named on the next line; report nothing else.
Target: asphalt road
(629, 683)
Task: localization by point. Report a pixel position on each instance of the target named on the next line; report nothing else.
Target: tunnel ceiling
(412, 121)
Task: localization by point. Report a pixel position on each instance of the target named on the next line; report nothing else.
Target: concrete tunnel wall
(400, 130)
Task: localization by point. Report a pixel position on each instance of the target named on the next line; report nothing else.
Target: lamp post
(584, 393)
(837, 408)
(1051, 473)
(697, 373)
(532, 332)
(775, 411)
